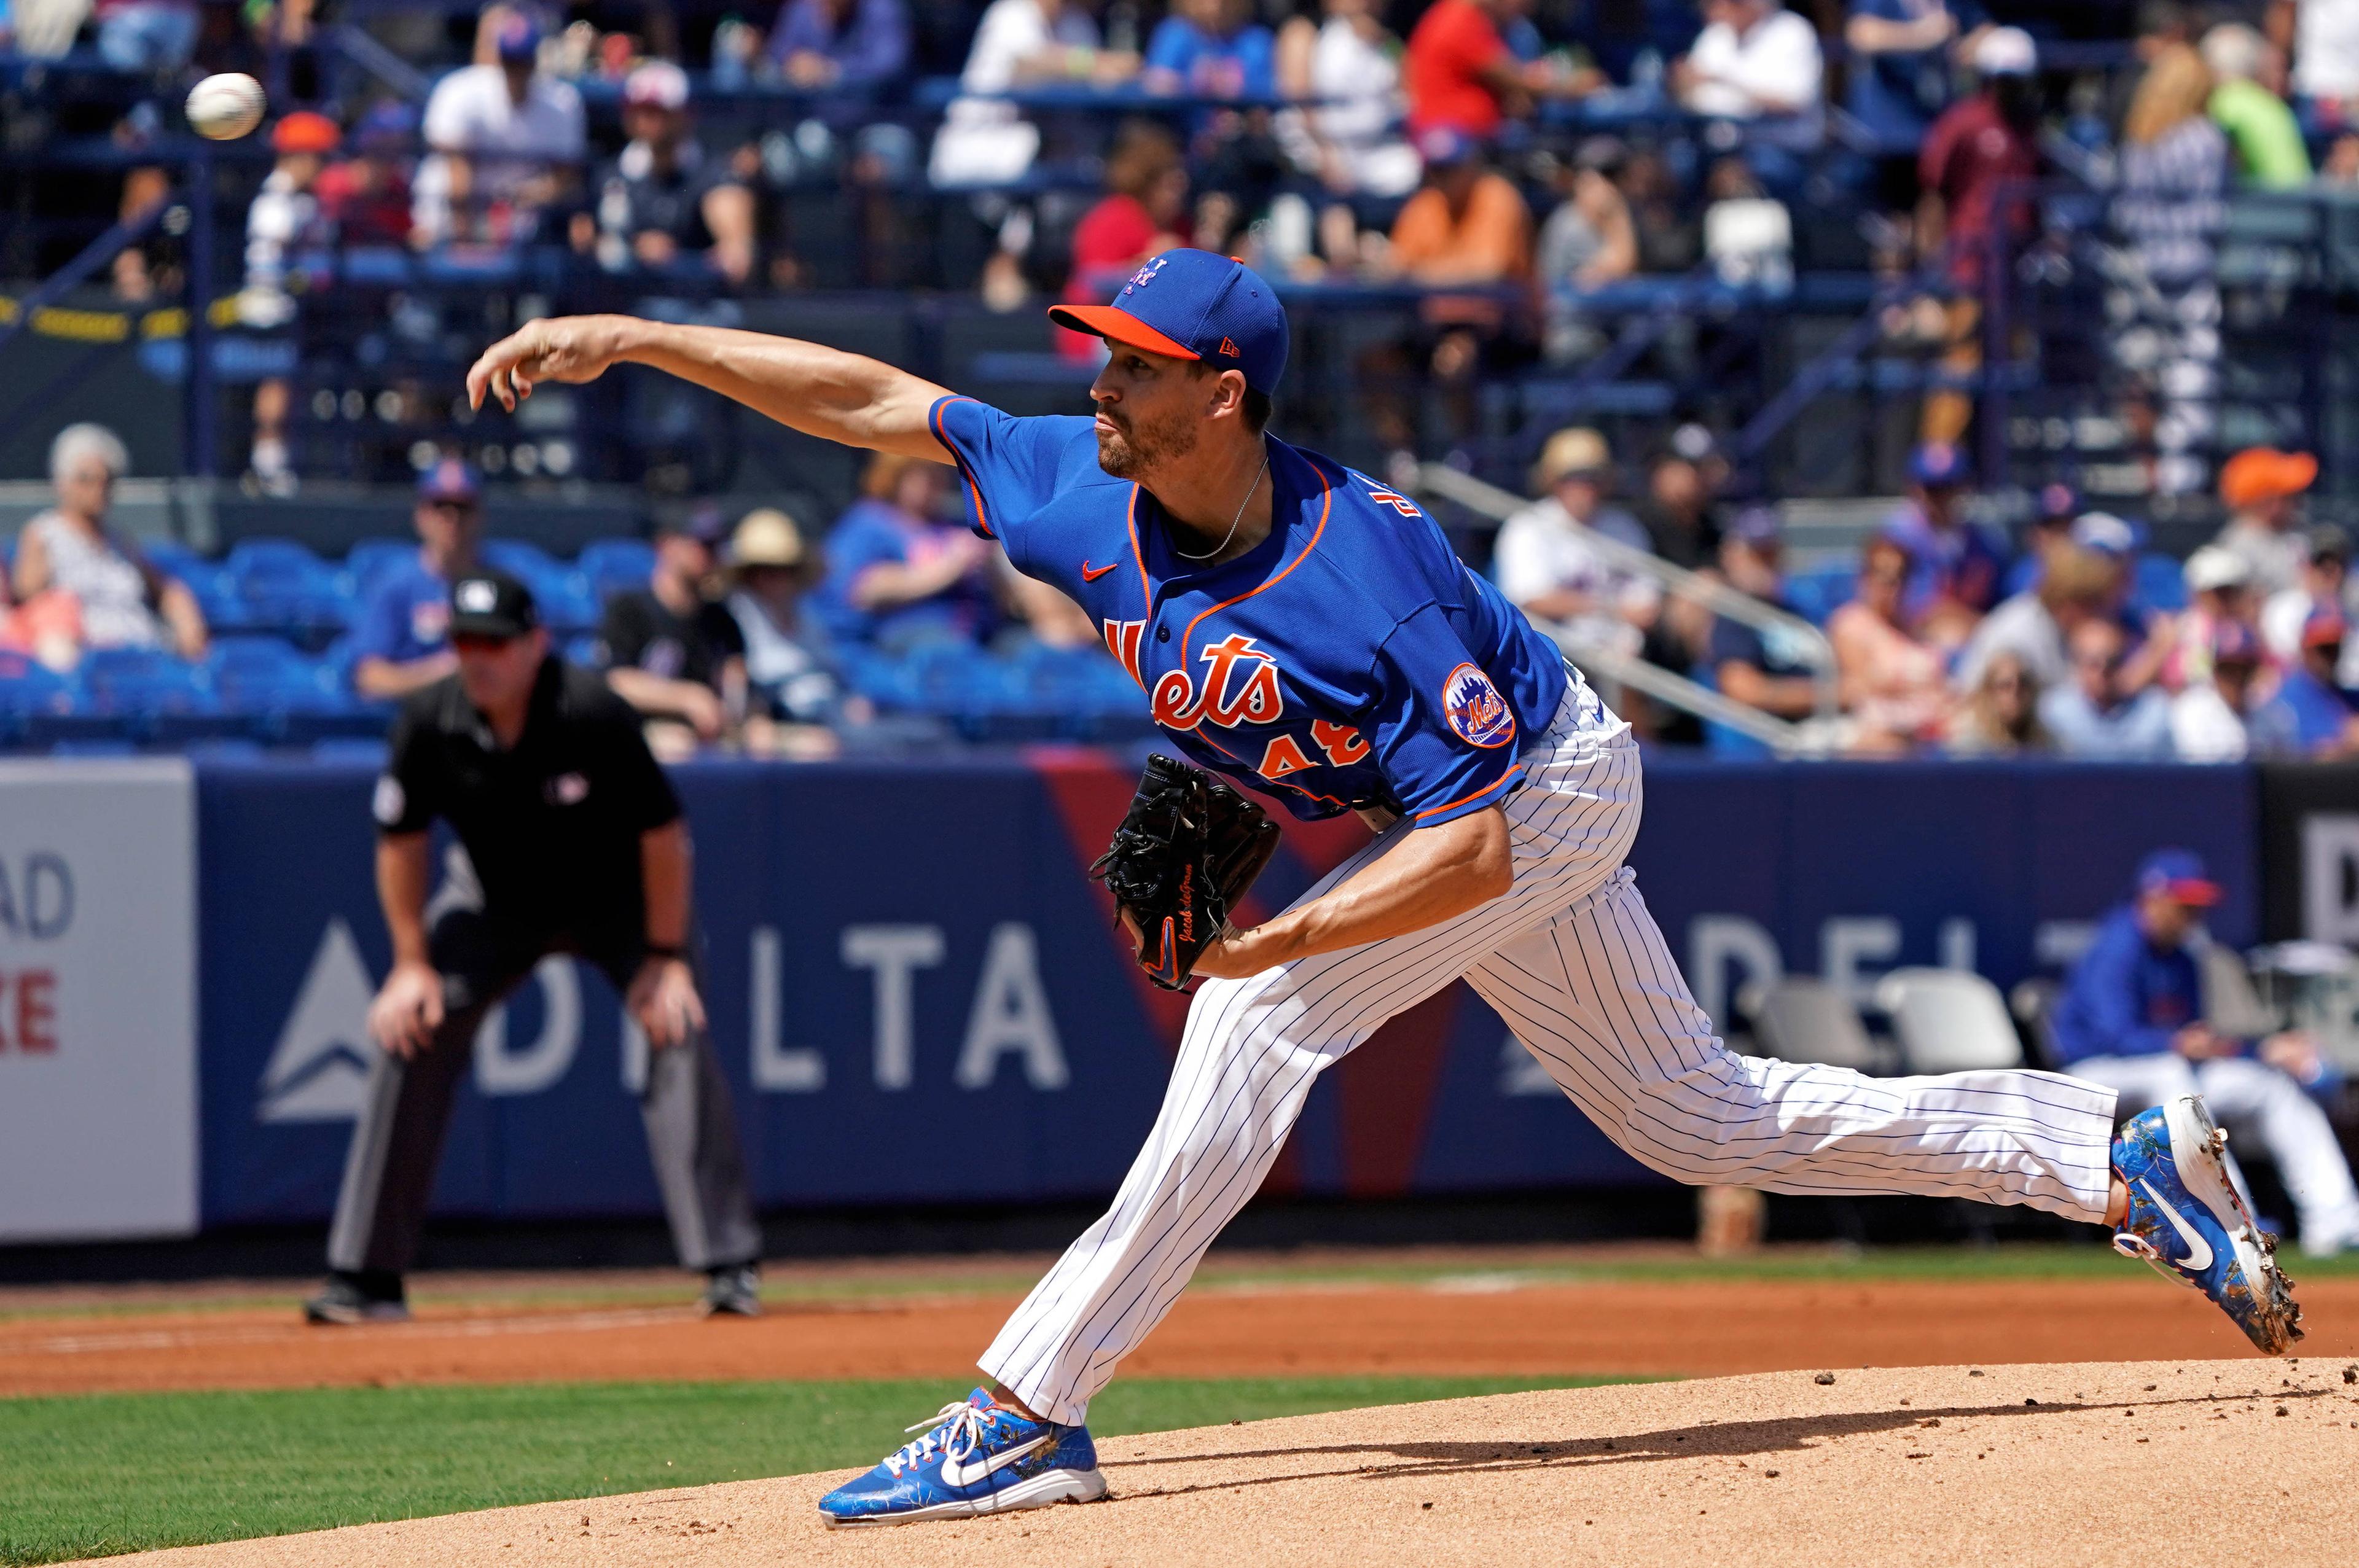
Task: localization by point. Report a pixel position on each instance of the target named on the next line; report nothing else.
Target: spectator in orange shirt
(1468, 227)
(1458, 71)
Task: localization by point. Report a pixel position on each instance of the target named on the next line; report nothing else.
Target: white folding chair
(1948, 1021)
(1803, 1018)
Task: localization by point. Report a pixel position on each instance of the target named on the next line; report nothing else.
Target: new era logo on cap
(1193, 304)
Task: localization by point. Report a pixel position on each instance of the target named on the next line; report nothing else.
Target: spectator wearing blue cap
(402, 638)
(672, 650)
(1759, 668)
(1955, 565)
(2054, 508)
(507, 142)
(2312, 711)
(2132, 1018)
(2099, 715)
(367, 198)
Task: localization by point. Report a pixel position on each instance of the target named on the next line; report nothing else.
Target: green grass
(97, 1474)
(782, 1287)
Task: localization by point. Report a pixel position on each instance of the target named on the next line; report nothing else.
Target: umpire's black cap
(492, 604)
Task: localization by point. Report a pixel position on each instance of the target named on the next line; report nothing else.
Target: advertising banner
(98, 1134)
(917, 997)
(2310, 852)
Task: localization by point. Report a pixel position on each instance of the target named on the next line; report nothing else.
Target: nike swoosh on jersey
(2199, 1251)
(1092, 574)
(956, 1475)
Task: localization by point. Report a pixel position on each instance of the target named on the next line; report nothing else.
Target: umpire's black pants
(397, 1142)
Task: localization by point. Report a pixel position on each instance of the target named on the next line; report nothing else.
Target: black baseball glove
(1186, 852)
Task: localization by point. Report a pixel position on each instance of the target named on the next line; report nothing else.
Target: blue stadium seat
(152, 695)
(611, 566)
(371, 559)
(1819, 591)
(174, 559)
(284, 586)
(29, 690)
(2161, 582)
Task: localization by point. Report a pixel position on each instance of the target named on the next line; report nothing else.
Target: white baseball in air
(225, 107)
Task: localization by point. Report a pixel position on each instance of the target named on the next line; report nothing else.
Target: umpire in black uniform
(571, 841)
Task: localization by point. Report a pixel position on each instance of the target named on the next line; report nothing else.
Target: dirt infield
(1473, 1322)
(2126, 1461)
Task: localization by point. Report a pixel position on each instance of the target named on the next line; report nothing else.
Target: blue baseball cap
(449, 480)
(517, 38)
(1937, 465)
(2179, 873)
(1193, 304)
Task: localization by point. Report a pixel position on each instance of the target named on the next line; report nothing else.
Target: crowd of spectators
(1948, 638)
(1353, 142)
(1414, 142)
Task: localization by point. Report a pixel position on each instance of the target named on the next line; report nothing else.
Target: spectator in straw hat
(1545, 560)
(2262, 488)
(793, 684)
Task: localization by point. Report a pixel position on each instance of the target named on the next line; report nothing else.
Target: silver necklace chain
(1234, 521)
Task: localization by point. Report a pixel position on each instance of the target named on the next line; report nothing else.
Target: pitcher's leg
(1246, 1061)
(1597, 997)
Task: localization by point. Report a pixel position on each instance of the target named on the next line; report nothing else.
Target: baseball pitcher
(1305, 631)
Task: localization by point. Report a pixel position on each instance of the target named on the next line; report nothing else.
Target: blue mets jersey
(1350, 659)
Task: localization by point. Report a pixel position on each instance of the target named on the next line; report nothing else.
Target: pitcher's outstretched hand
(566, 348)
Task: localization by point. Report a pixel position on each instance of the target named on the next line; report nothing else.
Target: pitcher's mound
(2095, 1463)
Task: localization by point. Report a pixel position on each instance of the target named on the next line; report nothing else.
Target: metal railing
(1817, 735)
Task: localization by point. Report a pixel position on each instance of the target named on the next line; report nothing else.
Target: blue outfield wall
(918, 999)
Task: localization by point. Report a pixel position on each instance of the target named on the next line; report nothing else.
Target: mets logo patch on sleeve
(1477, 711)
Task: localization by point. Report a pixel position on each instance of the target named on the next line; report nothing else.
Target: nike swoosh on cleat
(954, 1474)
(1092, 574)
(2199, 1251)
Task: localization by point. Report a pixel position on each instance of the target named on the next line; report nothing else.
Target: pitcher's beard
(1130, 453)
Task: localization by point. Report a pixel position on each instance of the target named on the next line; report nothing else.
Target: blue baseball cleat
(975, 1458)
(2186, 1219)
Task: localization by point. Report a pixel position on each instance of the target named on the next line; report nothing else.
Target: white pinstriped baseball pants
(1570, 958)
